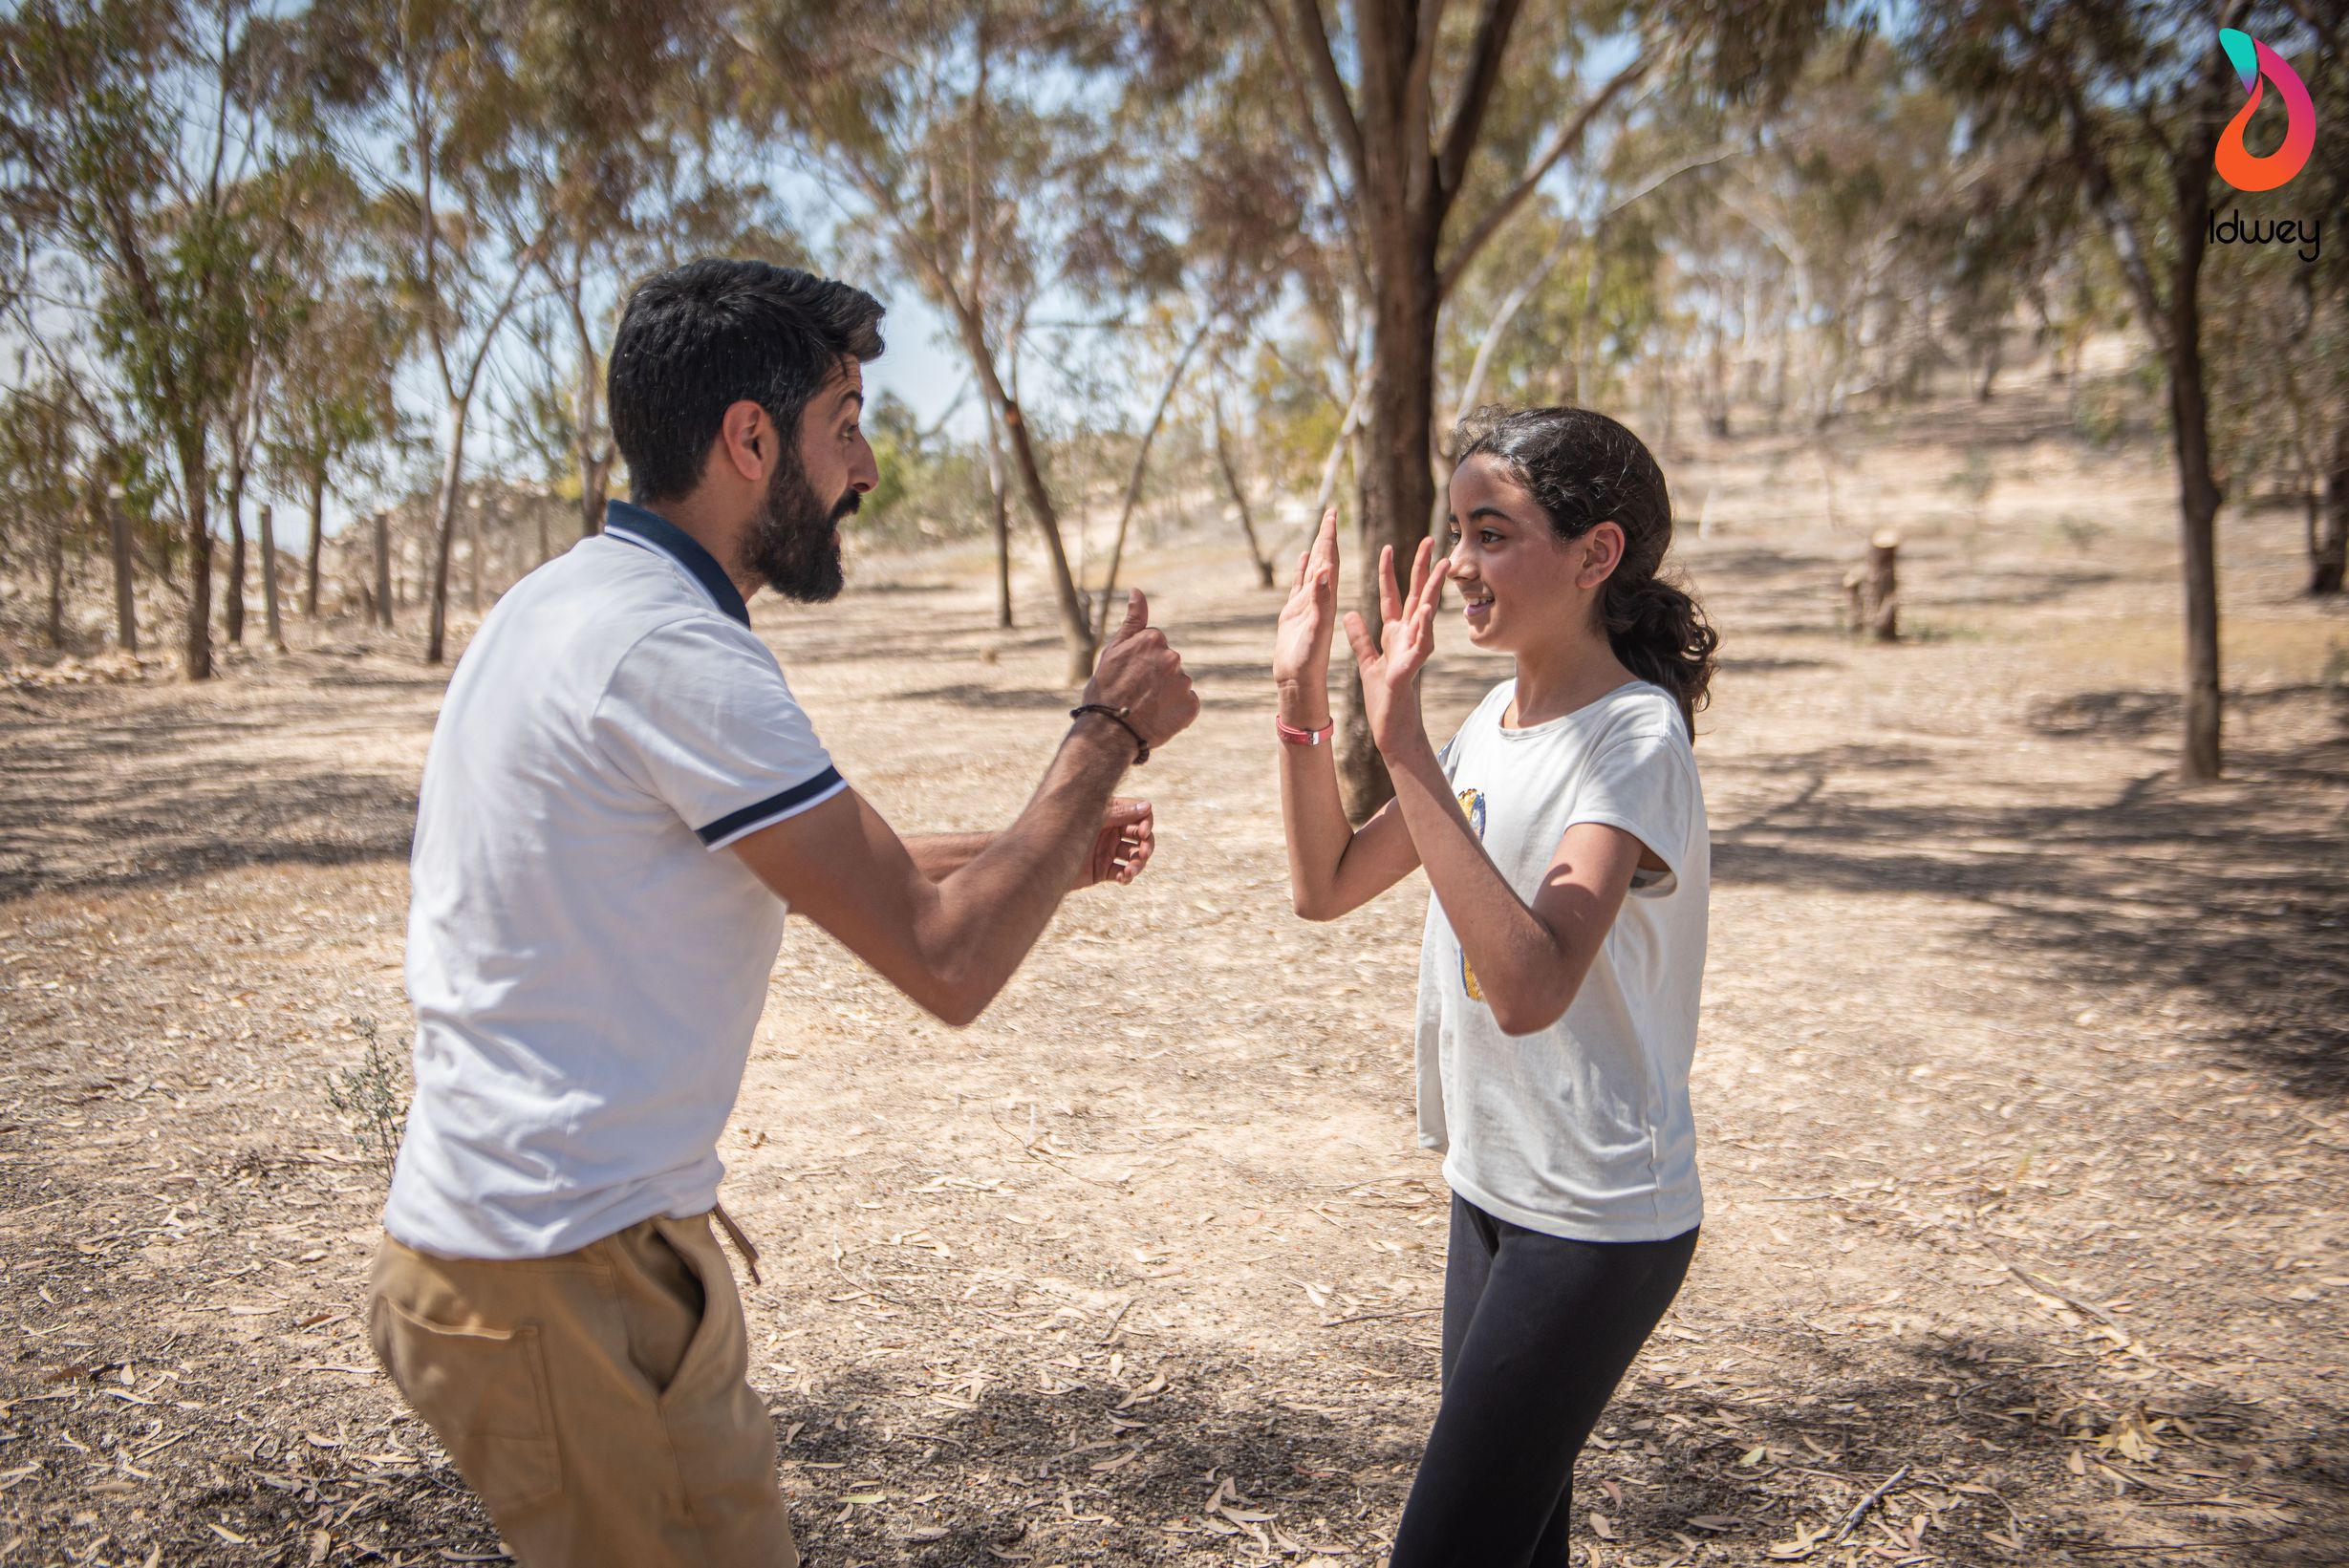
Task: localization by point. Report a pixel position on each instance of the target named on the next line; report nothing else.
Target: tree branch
(1561, 142)
(1492, 30)
(1329, 86)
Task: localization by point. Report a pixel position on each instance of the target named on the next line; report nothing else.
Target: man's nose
(864, 472)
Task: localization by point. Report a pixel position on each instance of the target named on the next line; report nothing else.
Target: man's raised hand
(1140, 674)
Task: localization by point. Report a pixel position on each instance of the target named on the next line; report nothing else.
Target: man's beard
(794, 543)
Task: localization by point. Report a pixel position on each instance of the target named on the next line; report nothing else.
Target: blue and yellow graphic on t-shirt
(1472, 802)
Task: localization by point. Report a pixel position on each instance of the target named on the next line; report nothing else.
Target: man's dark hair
(702, 337)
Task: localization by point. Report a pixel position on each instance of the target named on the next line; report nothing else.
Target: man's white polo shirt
(587, 966)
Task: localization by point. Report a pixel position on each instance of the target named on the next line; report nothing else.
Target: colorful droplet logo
(2254, 61)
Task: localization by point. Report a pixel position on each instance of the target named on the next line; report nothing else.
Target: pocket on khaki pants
(484, 1391)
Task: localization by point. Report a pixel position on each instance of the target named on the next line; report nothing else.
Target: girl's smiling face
(1521, 585)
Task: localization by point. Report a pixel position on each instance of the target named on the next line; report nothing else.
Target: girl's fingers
(1419, 574)
(1435, 586)
(1303, 556)
(1358, 638)
(1390, 594)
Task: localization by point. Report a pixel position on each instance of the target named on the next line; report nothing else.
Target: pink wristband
(1291, 735)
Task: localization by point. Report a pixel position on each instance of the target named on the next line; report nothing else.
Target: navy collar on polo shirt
(651, 529)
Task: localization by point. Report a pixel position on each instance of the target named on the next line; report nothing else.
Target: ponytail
(1584, 468)
(1661, 635)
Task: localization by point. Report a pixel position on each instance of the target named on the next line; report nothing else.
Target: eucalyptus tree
(44, 477)
(2128, 99)
(1436, 127)
(976, 150)
(138, 159)
(437, 85)
(333, 416)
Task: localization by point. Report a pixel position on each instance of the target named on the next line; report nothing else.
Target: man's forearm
(939, 856)
(993, 907)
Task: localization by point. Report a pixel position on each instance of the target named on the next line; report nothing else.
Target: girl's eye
(1488, 537)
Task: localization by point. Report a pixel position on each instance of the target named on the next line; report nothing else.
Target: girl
(1563, 830)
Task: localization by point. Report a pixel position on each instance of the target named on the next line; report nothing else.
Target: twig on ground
(1859, 1509)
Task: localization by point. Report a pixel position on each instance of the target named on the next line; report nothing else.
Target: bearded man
(621, 799)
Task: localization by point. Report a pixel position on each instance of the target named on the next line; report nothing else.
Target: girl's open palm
(1407, 640)
(1301, 638)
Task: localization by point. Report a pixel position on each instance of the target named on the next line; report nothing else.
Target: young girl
(1563, 830)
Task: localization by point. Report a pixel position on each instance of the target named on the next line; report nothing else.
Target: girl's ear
(1602, 549)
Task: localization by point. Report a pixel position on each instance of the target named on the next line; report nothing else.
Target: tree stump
(1873, 590)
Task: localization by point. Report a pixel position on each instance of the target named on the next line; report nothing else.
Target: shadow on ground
(2239, 895)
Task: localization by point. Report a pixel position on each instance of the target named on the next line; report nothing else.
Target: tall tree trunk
(317, 542)
(998, 505)
(473, 555)
(235, 605)
(595, 490)
(56, 583)
(268, 580)
(1239, 497)
(443, 532)
(383, 569)
(2199, 491)
(195, 480)
(118, 546)
(2329, 541)
(1075, 633)
(1397, 488)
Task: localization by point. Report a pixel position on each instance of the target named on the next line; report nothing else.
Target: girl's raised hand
(1407, 640)
(1300, 639)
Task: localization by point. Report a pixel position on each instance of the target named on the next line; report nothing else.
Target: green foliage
(372, 1099)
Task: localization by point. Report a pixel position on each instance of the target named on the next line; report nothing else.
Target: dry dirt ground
(2021, 1091)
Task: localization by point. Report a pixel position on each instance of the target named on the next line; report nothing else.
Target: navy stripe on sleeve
(734, 821)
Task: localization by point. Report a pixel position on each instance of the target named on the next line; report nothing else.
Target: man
(620, 801)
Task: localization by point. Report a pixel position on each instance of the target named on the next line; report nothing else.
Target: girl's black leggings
(1538, 1330)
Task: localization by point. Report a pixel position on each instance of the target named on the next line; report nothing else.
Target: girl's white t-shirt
(1581, 1129)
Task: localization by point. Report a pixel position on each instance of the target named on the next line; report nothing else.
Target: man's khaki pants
(597, 1402)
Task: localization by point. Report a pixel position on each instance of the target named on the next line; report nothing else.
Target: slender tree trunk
(317, 543)
(1076, 631)
(998, 505)
(595, 490)
(1141, 469)
(1239, 497)
(269, 581)
(2198, 490)
(383, 570)
(196, 654)
(235, 605)
(444, 531)
(56, 585)
(2328, 540)
(473, 555)
(118, 546)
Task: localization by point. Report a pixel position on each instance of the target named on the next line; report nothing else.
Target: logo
(1472, 802)
(2258, 65)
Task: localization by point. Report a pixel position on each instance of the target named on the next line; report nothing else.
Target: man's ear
(746, 441)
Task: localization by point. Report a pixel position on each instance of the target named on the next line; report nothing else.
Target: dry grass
(2022, 1096)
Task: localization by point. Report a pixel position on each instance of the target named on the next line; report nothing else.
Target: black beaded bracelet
(1141, 741)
